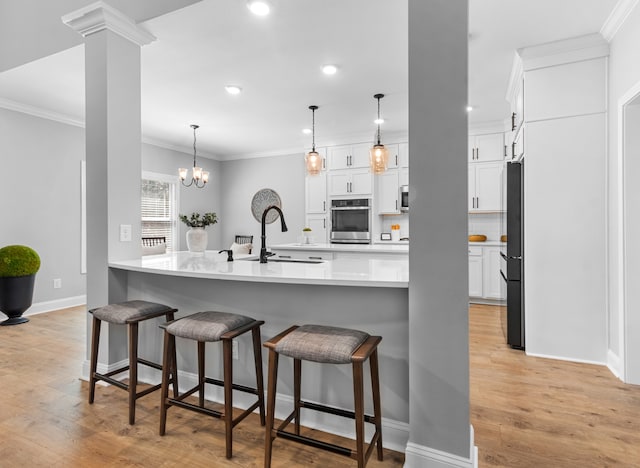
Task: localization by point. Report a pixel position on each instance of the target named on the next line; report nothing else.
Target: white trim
(56, 304)
(179, 149)
(564, 358)
(99, 16)
(614, 363)
(575, 49)
(420, 456)
(40, 112)
(83, 217)
(626, 98)
(514, 77)
(616, 18)
(394, 433)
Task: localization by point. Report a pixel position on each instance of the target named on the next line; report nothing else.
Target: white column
(113, 153)
(440, 432)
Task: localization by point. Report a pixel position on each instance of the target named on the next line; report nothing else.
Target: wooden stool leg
(375, 390)
(133, 370)
(228, 394)
(95, 344)
(174, 363)
(201, 376)
(297, 377)
(272, 376)
(257, 357)
(358, 397)
(169, 349)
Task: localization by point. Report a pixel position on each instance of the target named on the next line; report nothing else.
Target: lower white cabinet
(485, 281)
(319, 225)
(475, 271)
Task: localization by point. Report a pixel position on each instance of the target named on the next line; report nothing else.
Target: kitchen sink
(286, 260)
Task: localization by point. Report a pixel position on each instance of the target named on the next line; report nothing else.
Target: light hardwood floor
(527, 412)
(535, 412)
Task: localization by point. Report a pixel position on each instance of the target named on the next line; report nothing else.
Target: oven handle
(348, 208)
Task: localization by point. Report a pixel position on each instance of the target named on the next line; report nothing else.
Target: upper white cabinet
(349, 156)
(485, 182)
(489, 147)
(316, 193)
(398, 155)
(388, 192)
(517, 105)
(350, 182)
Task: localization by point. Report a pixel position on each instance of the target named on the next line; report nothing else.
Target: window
(159, 208)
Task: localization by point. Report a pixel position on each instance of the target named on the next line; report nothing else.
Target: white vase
(196, 239)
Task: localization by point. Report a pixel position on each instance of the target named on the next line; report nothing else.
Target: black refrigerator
(512, 255)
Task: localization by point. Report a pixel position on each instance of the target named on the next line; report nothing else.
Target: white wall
(487, 224)
(241, 179)
(624, 73)
(40, 198)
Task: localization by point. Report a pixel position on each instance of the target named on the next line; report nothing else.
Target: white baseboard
(48, 306)
(394, 433)
(563, 358)
(614, 364)
(420, 456)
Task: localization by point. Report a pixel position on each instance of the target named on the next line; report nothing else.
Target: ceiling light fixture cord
(378, 97)
(196, 126)
(313, 127)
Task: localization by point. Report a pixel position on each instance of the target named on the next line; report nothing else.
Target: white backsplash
(487, 224)
(383, 224)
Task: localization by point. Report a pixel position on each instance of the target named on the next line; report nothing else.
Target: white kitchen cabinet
(484, 187)
(403, 154)
(350, 182)
(316, 193)
(404, 176)
(302, 254)
(319, 225)
(517, 105)
(388, 192)
(349, 156)
(398, 155)
(489, 147)
(475, 271)
(491, 278)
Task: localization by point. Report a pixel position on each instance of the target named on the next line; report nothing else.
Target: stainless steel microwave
(404, 198)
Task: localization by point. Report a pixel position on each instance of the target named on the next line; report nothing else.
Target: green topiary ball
(18, 260)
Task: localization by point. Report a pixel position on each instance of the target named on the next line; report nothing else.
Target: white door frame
(624, 332)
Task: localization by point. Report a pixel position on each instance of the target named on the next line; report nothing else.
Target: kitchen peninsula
(366, 294)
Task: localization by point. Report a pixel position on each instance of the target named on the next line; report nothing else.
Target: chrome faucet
(263, 248)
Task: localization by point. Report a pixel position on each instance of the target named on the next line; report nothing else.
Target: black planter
(16, 294)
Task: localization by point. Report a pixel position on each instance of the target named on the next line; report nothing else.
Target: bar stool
(330, 345)
(208, 327)
(129, 313)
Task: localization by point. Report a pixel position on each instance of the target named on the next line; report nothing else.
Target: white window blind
(159, 209)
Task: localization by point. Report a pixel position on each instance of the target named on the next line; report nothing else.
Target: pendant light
(199, 178)
(378, 155)
(313, 159)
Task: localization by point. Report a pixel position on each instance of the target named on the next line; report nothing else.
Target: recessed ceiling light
(233, 89)
(378, 121)
(469, 108)
(259, 7)
(306, 131)
(329, 69)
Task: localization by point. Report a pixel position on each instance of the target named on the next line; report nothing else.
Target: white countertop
(373, 248)
(392, 273)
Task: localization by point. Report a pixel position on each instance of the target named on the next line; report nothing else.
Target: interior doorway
(629, 139)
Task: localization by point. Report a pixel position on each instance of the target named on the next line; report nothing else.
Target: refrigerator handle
(503, 277)
(504, 256)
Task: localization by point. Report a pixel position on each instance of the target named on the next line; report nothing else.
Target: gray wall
(40, 197)
(241, 179)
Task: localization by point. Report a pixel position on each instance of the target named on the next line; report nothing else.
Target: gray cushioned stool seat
(320, 343)
(122, 312)
(206, 326)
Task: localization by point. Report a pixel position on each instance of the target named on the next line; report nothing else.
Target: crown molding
(39, 112)
(575, 49)
(617, 17)
(177, 148)
(99, 16)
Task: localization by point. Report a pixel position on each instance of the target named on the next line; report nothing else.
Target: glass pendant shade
(182, 172)
(313, 159)
(378, 158)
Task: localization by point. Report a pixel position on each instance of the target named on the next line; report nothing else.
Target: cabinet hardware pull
(284, 256)
(513, 149)
(396, 159)
(324, 223)
(315, 258)
(477, 154)
(513, 121)
(477, 202)
(396, 205)
(324, 205)
(505, 151)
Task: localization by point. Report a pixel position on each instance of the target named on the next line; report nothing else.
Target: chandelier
(199, 178)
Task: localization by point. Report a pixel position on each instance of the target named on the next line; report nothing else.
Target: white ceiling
(277, 61)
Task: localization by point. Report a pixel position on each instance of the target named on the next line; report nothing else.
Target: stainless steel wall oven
(351, 221)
